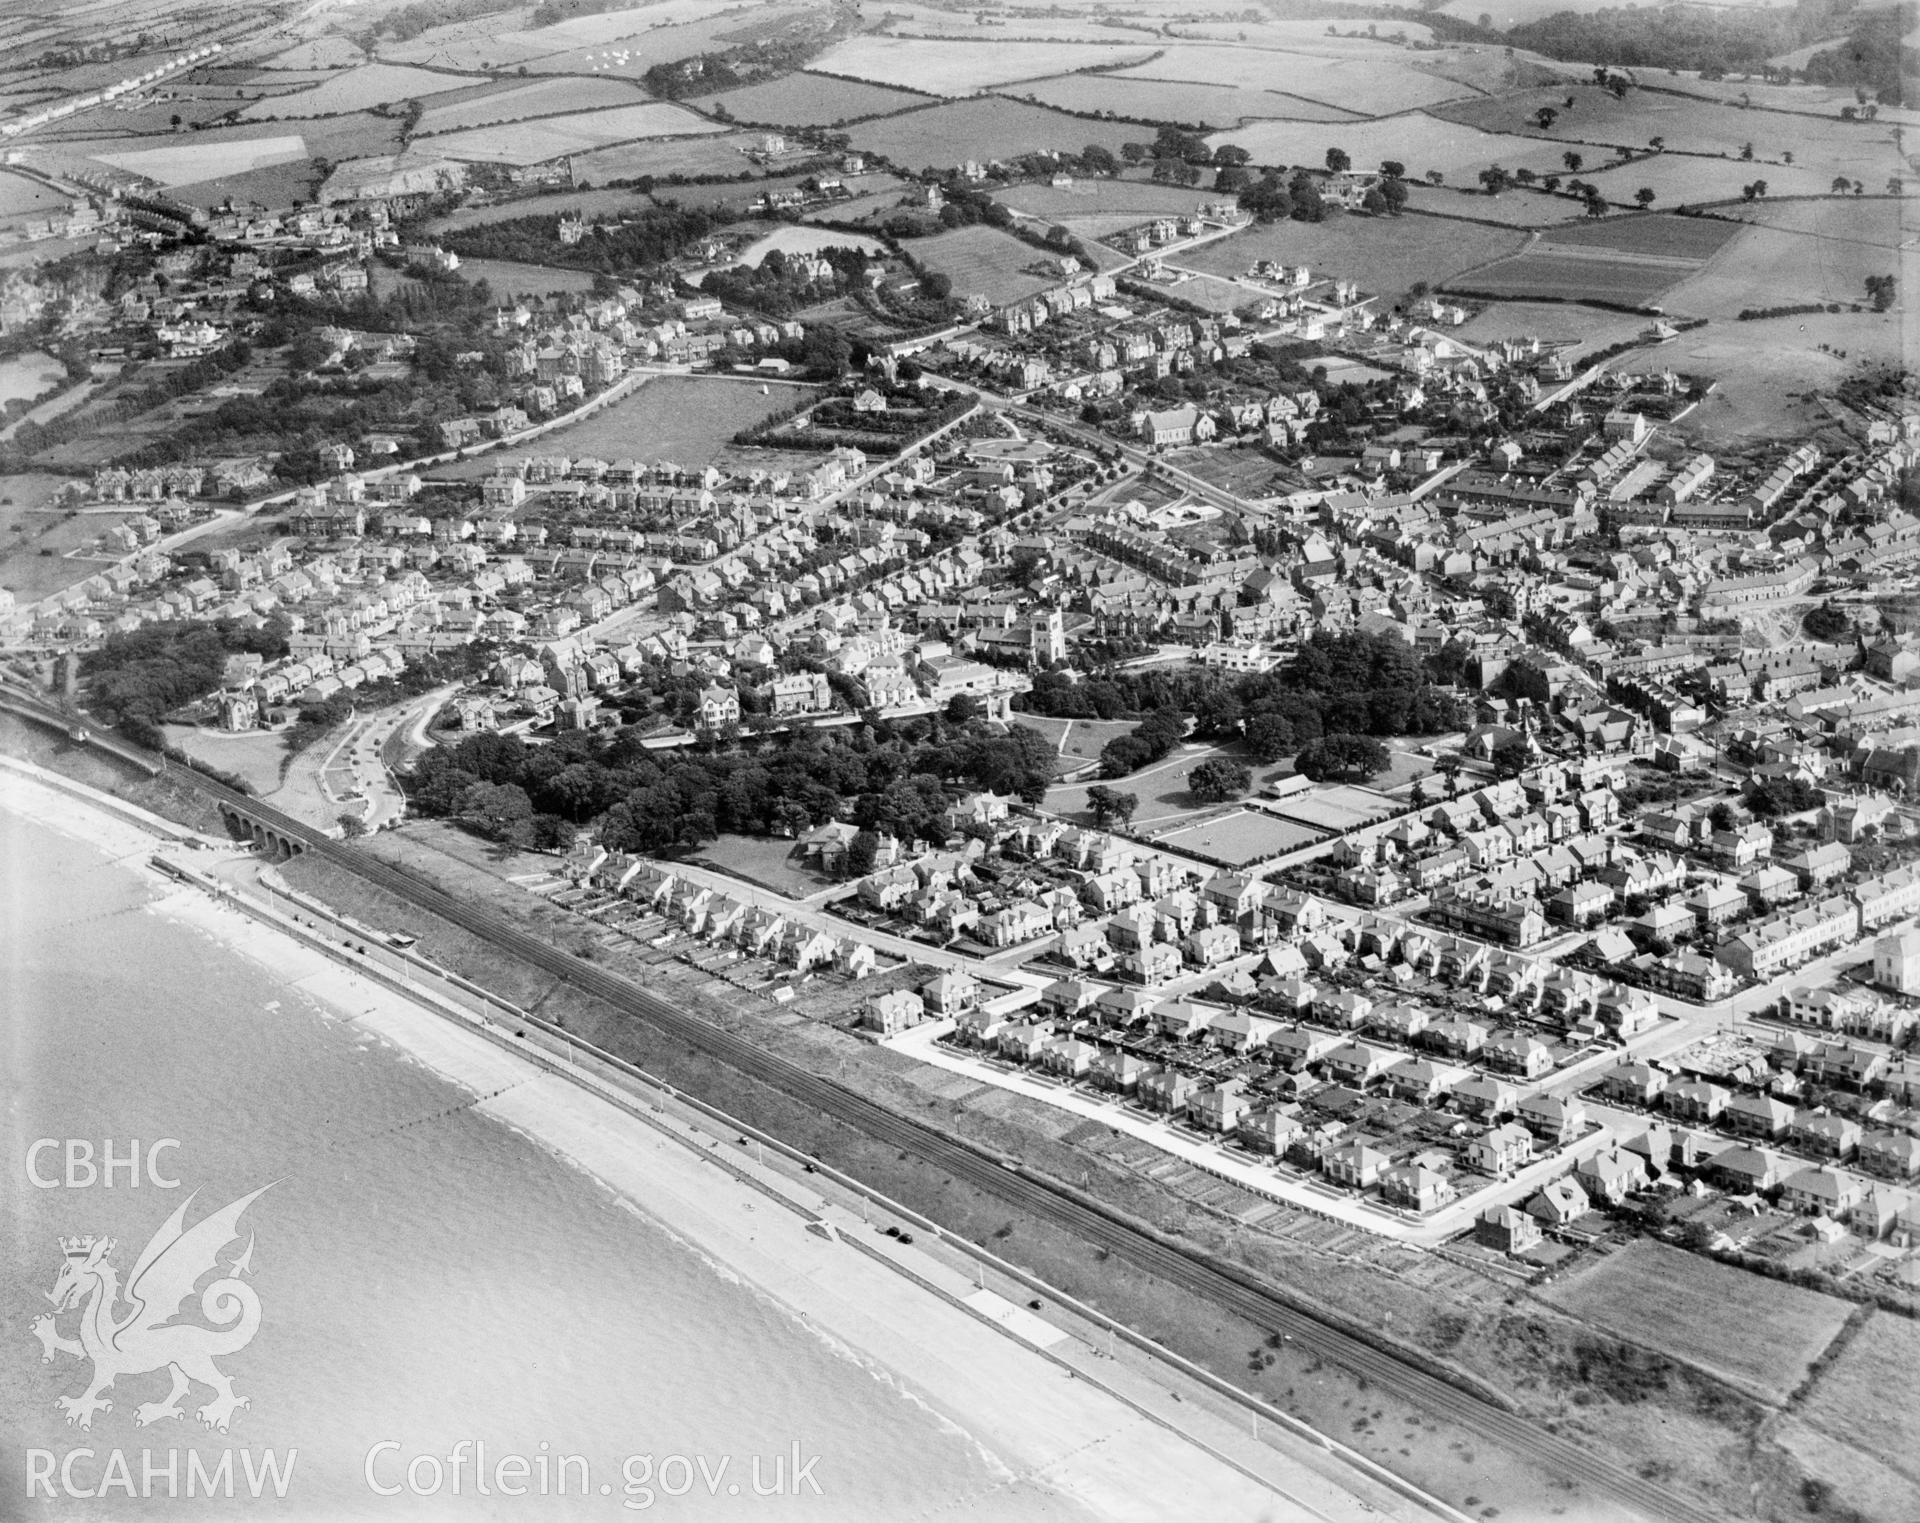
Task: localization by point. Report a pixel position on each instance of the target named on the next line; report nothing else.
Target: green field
(1385, 255)
(1869, 1396)
(1244, 836)
(809, 100)
(688, 420)
(1168, 100)
(1695, 238)
(1547, 275)
(984, 260)
(987, 128)
(1754, 1333)
(941, 67)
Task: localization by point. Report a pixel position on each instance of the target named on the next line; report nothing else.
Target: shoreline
(1028, 1393)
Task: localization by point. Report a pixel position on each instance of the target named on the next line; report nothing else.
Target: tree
(1434, 177)
(1096, 159)
(1546, 116)
(1393, 169)
(1840, 185)
(1746, 152)
(1338, 161)
(1110, 806)
(963, 708)
(1721, 816)
(1511, 757)
(1305, 195)
(1657, 144)
(1219, 779)
(1232, 154)
(1573, 161)
(1880, 291)
(1393, 192)
(1268, 199)
(1644, 195)
(1269, 737)
(1495, 179)
(1354, 758)
(1230, 179)
(1786, 156)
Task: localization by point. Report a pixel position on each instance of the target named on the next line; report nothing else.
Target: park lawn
(259, 757)
(1755, 1333)
(1385, 256)
(988, 127)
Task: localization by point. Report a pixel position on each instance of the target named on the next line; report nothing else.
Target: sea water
(425, 1273)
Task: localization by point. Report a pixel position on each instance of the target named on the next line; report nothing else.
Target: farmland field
(549, 138)
(1130, 200)
(586, 202)
(21, 197)
(687, 419)
(1168, 100)
(1551, 322)
(546, 97)
(375, 84)
(1688, 125)
(984, 128)
(1695, 238)
(1546, 273)
(1709, 1314)
(1684, 180)
(1364, 80)
(200, 160)
(1385, 256)
(807, 100)
(506, 278)
(1814, 252)
(1868, 1396)
(1419, 141)
(940, 67)
(714, 154)
(986, 261)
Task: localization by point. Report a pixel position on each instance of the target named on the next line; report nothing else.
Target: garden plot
(810, 100)
(1170, 100)
(536, 142)
(375, 84)
(1417, 140)
(1367, 80)
(546, 97)
(1754, 1333)
(188, 162)
(937, 66)
(982, 129)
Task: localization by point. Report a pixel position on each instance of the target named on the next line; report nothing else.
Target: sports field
(551, 137)
(1336, 807)
(1754, 1333)
(1247, 835)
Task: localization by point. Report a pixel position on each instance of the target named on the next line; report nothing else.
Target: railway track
(1224, 1284)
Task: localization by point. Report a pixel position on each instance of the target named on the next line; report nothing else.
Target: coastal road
(1223, 1283)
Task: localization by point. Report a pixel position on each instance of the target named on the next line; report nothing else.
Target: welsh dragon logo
(146, 1337)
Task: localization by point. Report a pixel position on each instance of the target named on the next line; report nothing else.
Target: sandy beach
(1031, 1396)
